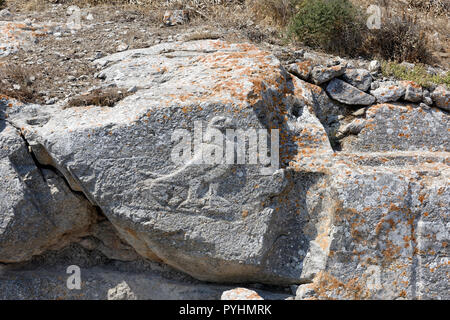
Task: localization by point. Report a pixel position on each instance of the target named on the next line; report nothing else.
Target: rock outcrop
(355, 206)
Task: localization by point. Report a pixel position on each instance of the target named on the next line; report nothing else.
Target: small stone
(353, 127)
(348, 94)
(321, 74)
(359, 112)
(71, 78)
(175, 17)
(428, 101)
(50, 101)
(301, 70)
(374, 85)
(16, 87)
(5, 13)
(240, 294)
(122, 47)
(299, 54)
(374, 66)
(441, 97)
(413, 92)
(133, 89)
(359, 78)
(388, 93)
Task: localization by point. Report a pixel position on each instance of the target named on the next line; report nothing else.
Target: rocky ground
(44, 59)
(59, 59)
(357, 210)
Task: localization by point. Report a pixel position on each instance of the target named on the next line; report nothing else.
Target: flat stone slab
(348, 94)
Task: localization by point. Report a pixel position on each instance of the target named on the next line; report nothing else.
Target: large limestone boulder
(214, 221)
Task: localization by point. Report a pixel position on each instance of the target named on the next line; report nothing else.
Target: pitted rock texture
(358, 208)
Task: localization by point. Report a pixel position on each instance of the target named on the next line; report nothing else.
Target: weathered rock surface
(38, 211)
(189, 216)
(240, 294)
(388, 92)
(441, 96)
(359, 78)
(302, 69)
(368, 219)
(391, 127)
(15, 35)
(322, 74)
(348, 94)
(413, 92)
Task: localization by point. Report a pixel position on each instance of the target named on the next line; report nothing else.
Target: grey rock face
(391, 127)
(38, 211)
(367, 220)
(302, 69)
(413, 92)
(324, 74)
(190, 216)
(359, 78)
(388, 92)
(346, 93)
(441, 97)
(395, 258)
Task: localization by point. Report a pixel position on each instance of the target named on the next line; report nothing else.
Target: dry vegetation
(19, 82)
(105, 97)
(412, 30)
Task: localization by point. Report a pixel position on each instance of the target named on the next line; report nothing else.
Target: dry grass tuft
(17, 82)
(106, 97)
(399, 39)
(436, 7)
(274, 12)
(202, 35)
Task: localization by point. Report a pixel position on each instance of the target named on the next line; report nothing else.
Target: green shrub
(332, 25)
(417, 74)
